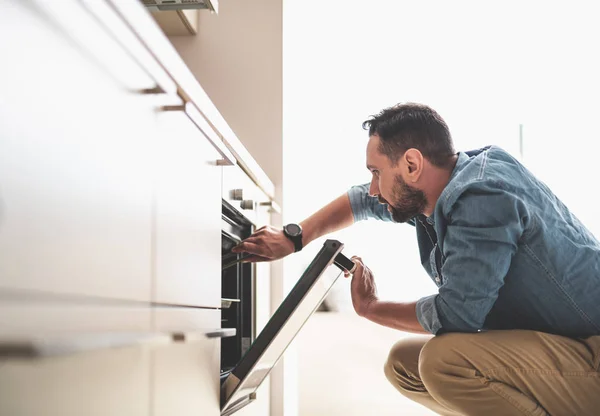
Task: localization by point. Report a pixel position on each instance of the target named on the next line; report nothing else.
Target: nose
(374, 188)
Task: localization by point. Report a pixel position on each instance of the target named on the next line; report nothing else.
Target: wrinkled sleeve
(365, 206)
(481, 239)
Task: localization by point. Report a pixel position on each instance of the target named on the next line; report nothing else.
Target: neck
(438, 179)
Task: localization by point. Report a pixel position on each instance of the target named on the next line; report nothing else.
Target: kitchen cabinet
(185, 375)
(188, 209)
(27, 319)
(76, 162)
(110, 218)
(107, 382)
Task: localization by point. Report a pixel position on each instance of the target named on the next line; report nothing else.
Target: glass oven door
(239, 386)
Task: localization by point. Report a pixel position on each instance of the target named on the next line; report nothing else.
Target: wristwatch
(294, 233)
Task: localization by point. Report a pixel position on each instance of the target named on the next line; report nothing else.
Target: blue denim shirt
(503, 250)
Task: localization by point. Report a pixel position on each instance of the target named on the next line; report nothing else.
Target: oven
(248, 356)
(238, 288)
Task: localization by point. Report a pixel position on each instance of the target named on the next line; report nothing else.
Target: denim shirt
(503, 250)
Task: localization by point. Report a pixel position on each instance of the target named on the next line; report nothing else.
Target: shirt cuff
(427, 314)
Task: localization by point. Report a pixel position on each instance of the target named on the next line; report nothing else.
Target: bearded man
(514, 327)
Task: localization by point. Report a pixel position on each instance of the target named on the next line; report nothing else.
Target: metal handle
(247, 204)
(344, 263)
(274, 206)
(195, 336)
(221, 333)
(237, 194)
(117, 28)
(54, 346)
(51, 346)
(207, 131)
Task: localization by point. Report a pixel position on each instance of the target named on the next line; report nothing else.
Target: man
(516, 320)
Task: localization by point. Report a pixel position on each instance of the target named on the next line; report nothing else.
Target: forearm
(401, 316)
(332, 217)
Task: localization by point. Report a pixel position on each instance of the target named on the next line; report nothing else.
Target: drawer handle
(200, 122)
(195, 336)
(273, 206)
(117, 28)
(74, 344)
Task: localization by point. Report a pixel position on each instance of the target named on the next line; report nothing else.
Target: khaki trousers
(499, 373)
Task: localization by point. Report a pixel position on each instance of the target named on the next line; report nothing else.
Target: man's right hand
(266, 244)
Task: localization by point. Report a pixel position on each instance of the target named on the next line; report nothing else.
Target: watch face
(293, 229)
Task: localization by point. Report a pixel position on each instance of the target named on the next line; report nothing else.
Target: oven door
(238, 388)
(237, 294)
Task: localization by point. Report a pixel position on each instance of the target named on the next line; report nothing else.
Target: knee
(440, 358)
(401, 366)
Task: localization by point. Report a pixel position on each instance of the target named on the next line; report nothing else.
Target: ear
(414, 164)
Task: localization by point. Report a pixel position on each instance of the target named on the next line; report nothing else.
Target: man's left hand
(362, 287)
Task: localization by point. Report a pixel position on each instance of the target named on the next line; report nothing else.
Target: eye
(376, 173)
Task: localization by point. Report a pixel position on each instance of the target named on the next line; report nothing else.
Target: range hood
(163, 5)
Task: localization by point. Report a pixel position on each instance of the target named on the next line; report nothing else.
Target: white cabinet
(68, 359)
(185, 377)
(188, 212)
(75, 156)
(108, 382)
(33, 319)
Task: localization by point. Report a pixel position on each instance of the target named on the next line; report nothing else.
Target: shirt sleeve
(365, 206)
(484, 228)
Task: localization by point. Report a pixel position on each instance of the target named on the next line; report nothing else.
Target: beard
(409, 201)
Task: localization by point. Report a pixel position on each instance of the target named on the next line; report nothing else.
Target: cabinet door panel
(188, 213)
(75, 167)
(26, 319)
(109, 382)
(186, 374)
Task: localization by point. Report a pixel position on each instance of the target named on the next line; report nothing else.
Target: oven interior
(237, 289)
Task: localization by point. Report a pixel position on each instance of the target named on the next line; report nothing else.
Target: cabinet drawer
(32, 319)
(75, 160)
(188, 212)
(186, 374)
(108, 382)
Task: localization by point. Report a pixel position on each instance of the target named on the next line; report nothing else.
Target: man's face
(388, 184)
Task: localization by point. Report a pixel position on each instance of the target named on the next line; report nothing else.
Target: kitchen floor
(340, 360)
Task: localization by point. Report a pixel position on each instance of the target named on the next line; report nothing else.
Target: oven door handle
(232, 236)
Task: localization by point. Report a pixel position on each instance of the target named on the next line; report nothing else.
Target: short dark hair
(412, 125)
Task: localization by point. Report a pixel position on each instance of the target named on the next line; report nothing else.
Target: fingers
(255, 259)
(251, 248)
(240, 248)
(358, 269)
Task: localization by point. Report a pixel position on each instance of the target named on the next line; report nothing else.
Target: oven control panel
(242, 193)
